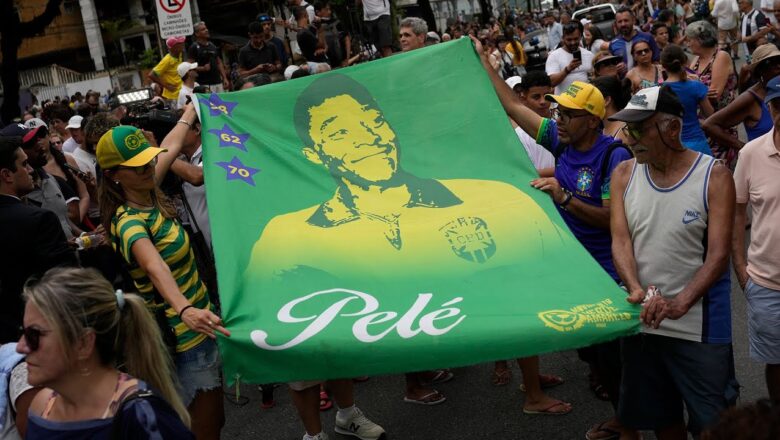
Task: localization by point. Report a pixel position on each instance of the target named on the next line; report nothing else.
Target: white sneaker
(320, 436)
(359, 426)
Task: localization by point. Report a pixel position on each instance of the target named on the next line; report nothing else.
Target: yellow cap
(581, 96)
(124, 145)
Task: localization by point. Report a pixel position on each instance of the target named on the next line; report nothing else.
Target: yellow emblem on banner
(598, 314)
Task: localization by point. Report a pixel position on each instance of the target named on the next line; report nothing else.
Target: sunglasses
(141, 169)
(609, 62)
(32, 336)
(642, 52)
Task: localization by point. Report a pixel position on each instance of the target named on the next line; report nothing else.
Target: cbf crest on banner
(380, 219)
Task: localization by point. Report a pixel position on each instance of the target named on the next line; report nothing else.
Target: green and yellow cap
(581, 96)
(125, 145)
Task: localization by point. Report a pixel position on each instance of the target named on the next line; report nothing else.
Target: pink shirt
(757, 180)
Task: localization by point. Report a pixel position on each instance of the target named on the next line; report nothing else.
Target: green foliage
(148, 59)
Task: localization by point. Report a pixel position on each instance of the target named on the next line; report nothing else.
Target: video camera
(146, 112)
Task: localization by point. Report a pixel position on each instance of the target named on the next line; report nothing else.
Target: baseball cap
(603, 57)
(263, 18)
(185, 67)
(647, 102)
(772, 89)
(75, 122)
(581, 96)
(432, 36)
(512, 81)
(34, 123)
(172, 41)
(288, 72)
(125, 145)
(37, 126)
(18, 130)
(763, 52)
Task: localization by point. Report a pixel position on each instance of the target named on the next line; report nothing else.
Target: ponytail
(74, 300)
(141, 346)
(674, 60)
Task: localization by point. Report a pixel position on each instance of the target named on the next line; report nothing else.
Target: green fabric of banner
(379, 219)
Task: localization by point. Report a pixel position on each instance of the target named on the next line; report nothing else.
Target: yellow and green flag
(379, 219)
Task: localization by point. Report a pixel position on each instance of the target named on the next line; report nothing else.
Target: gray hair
(197, 26)
(704, 32)
(418, 25)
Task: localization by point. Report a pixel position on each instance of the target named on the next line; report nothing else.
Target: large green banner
(379, 219)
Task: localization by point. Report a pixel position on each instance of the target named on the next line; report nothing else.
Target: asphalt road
(475, 409)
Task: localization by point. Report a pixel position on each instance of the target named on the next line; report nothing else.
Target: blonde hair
(76, 300)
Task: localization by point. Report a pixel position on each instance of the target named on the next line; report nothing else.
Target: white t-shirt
(560, 58)
(540, 157)
(87, 163)
(727, 12)
(373, 9)
(184, 92)
(196, 198)
(769, 4)
(69, 146)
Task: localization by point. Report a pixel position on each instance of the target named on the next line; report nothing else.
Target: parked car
(601, 16)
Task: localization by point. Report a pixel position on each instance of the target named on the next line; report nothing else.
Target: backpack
(161, 415)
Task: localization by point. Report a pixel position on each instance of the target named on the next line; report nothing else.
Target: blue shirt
(580, 173)
(622, 48)
(691, 93)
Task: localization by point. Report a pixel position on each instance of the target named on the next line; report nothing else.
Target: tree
(12, 33)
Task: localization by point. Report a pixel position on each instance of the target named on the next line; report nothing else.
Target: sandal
(439, 376)
(325, 402)
(547, 411)
(599, 390)
(608, 433)
(546, 381)
(432, 398)
(501, 378)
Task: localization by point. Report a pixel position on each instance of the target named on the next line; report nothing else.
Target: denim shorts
(198, 369)
(763, 307)
(660, 374)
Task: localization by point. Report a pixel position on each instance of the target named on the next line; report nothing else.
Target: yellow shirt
(166, 71)
(518, 60)
(494, 225)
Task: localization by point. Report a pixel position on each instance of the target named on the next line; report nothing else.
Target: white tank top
(668, 228)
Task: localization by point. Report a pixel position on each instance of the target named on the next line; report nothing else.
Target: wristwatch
(567, 199)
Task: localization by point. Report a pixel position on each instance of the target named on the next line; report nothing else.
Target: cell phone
(76, 171)
(578, 55)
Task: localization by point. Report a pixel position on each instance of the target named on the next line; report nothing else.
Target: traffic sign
(174, 17)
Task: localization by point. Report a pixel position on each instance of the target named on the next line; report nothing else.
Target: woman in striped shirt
(144, 230)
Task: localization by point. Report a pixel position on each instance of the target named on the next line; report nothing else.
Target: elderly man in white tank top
(671, 219)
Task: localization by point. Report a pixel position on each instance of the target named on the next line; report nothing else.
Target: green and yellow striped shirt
(173, 244)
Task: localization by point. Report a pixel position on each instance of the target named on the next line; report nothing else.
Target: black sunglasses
(32, 336)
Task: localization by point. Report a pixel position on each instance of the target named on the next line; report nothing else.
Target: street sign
(174, 17)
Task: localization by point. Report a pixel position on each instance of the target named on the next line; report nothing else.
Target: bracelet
(181, 312)
(566, 200)
(182, 121)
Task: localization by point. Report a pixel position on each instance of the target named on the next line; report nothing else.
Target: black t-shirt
(206, 54)
(249, 57)
(307, 40)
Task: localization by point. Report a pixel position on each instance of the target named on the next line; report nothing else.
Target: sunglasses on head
(32, 336)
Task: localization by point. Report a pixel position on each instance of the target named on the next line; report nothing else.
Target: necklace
(143, 205)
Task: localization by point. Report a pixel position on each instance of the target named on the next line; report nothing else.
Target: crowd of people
(635, 140)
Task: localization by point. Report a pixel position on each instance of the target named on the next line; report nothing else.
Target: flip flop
(611, 433)
(440, 376)
(432, 398)
(547, 412)
(501, 378)
(546, 381)
(325, 402)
